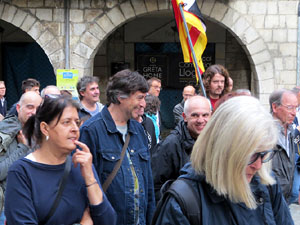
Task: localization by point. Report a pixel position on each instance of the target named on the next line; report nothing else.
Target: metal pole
(192, 49)
(298, 48)
(67, 33)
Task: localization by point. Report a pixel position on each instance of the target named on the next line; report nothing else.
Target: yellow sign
(67, 80)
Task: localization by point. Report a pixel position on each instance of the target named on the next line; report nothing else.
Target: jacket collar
(110, 124)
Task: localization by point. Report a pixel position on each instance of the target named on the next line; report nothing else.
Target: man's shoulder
(179, 106)
(10, 124)
(93, 121)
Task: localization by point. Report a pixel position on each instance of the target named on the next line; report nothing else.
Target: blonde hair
(238, 128)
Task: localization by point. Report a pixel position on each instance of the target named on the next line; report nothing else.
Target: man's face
(155, 88)
(188, 92)
(91, 93)
(2, 90)
(28, 107)
(286, 111)
(134, 105)
(197, 116)
(138, 113)
(216, 85)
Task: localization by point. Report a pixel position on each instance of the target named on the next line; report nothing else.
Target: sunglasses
(265, 156)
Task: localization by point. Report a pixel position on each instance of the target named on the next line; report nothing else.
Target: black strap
(112, 175)
(186, 196)
(61, 188)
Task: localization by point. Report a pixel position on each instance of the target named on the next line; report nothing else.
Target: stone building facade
(264, 30)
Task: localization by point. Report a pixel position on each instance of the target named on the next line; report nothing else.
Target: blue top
(219, 210)
(32, 188)
(105, 142)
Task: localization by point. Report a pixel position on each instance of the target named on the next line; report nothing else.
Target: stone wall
(266, 30)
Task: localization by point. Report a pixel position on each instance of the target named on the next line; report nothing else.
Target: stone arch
(254, 46)
(252, 43)
(34, 28)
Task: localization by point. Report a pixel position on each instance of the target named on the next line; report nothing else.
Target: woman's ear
(44, 127)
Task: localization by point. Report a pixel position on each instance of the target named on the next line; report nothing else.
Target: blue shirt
(32, 188)
(105, 143)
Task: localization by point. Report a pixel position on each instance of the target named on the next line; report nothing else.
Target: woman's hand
(21, 138)
(86, 217)
(85, 160)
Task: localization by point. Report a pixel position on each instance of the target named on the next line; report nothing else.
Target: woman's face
(64, 132)
(253, 168)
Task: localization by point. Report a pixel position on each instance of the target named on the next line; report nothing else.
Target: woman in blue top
(34, 180)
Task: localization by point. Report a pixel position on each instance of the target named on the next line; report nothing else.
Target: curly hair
(210, 73)
(152, 104)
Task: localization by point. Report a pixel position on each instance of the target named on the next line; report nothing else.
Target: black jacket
(219, 210)
(170, 155)
(150, 132)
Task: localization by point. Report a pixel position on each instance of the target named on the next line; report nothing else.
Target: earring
(47, 138)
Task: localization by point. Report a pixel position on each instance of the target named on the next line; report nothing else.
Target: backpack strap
(188, 199)
(186, 196)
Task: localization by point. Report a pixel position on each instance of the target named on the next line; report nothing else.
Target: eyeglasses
(265, 156)
(156, 87)
(290, 107)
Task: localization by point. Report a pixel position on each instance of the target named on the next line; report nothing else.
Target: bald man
(13, 143)
(170, 155)
(187, 92)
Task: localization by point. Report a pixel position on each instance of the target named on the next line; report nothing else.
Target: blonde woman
(230, 169)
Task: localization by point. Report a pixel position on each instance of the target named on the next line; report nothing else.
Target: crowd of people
(227, 161)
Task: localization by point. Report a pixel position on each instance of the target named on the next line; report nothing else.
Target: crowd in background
(66, 161)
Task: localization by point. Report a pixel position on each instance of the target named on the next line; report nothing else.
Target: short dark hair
(29, 83)
(50, 109)
(210, 73)
(84, 82)
(125, 83)
(152, 104)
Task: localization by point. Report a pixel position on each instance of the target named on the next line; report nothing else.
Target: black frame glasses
(265, 156)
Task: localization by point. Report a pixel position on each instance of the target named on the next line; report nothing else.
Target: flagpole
(192, 49)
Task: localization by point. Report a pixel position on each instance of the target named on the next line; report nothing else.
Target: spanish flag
(197, 29)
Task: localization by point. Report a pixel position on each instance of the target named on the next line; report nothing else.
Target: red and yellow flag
(196, 28)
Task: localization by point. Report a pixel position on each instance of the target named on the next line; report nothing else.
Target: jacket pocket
(144, 154)
(109, 161)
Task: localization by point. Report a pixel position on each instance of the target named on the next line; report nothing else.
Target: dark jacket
(150, 132)
(10, 149)
(283, 165)
(13, 110)
(105, 142)
(3, 108)
(218, 210)
(84, 113)
(170, 155)
(177, 112)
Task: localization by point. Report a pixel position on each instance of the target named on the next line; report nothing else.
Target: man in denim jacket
(131, 192)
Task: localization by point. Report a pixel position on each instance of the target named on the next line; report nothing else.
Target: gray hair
(84, 82)
(45, 89)
(276, 97)
(239, 91)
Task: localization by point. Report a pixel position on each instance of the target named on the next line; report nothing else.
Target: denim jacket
(105, 143)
